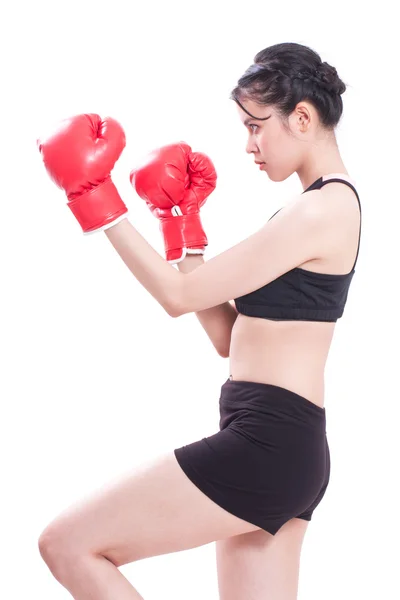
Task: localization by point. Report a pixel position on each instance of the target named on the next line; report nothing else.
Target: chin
(278, 175)
(274, 176)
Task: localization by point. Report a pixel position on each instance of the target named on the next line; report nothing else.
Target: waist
(238, 394)
(291, 355)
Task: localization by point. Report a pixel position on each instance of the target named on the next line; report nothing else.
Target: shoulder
(328, 214)
(334, 201)
(308, 208)
(341, 202)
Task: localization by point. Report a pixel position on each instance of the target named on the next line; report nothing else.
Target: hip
(278, 421)
(303, 380)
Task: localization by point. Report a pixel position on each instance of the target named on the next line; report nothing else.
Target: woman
(251, 487)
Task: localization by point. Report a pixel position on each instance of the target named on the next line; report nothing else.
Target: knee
(53, 549)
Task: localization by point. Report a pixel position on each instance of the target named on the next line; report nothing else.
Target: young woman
(251, 487)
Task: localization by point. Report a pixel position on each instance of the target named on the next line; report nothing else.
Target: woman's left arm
(299, 232)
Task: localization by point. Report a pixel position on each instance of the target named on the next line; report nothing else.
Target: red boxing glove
(175, 183)
(79, 157)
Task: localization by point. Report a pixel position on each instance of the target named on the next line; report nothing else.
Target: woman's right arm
(217, 321)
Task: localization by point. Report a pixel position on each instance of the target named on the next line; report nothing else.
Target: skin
(306, 149)
(156, 509)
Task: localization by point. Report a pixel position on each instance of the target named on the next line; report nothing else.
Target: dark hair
(285, 74)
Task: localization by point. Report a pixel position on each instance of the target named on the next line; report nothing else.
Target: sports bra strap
(359, 204)
(317, 185)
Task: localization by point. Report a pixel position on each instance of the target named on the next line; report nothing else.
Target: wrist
(190, 262)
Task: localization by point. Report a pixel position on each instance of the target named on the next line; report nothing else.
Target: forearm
(217, 321)
(157, 275)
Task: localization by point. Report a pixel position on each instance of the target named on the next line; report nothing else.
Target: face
(282, 151)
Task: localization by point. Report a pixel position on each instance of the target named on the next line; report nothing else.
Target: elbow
(175, 308)
(223, 352)
(173, 311)
(177, 305)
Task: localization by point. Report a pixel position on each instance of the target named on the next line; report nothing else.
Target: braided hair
(285, 74)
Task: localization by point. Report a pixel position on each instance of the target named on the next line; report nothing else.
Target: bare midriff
(289, 354)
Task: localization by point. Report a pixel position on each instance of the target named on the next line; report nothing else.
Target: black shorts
(270, 460)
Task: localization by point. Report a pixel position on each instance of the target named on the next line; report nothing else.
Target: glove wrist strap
(98, 208)
(183, 231)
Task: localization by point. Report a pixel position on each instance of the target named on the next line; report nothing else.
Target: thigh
(152, 511)
(258, 565)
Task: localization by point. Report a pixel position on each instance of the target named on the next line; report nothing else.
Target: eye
(253, 125)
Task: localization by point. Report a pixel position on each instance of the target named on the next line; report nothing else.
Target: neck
(323, 159)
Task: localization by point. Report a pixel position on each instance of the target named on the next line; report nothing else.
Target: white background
(96, 378)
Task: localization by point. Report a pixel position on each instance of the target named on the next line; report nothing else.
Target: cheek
(282, 148)
(272, 143)
(263, 142)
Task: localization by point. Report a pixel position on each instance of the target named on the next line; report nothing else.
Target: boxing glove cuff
(98, 208)
(182, 231)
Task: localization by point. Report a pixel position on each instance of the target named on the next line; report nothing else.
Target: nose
(251, 147)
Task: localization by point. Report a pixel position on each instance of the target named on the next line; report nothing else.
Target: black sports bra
(300, 294)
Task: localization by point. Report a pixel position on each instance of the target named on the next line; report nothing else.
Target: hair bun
(328, 76)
